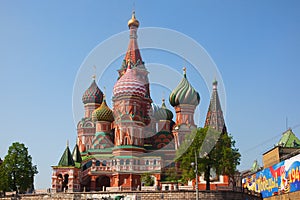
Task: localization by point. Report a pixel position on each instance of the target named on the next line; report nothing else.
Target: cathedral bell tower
(92, 99)
(184, 98)
(131, 99)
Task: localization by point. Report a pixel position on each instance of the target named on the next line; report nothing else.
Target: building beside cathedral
(279, 177)
(115, 146)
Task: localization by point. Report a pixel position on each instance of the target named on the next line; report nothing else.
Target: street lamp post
(196, 172)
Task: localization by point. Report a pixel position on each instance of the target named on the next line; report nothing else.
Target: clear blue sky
(255, 45)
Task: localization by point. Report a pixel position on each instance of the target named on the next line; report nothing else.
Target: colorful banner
(281, 178)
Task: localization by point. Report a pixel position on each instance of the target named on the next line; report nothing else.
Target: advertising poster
(280, 178)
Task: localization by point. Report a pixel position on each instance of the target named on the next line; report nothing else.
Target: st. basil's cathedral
(115, 147)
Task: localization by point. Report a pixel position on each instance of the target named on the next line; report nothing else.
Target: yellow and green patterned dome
(184, 93)
(103, 113)
(163, 113)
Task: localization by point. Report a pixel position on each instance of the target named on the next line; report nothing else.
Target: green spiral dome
(184, 93)
(103, 113)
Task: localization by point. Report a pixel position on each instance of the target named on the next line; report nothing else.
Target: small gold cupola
(133, 21)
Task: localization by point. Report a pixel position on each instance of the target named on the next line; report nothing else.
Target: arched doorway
(102, 181)
(86, 184)
(65, 182)
(60, 182)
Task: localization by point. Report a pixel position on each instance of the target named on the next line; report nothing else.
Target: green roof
(66, 159)
(289, 139)
(77, 165)
(76, 154)
(126, 157)
(87, 157)
(100, 150)
(255, 166)
(128, 146)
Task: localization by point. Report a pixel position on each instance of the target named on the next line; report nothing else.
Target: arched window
(147, 162)
(104, 163)
(60, 177)
(134, 162)
(127, 162)
(97, 163)
(88, 124)
(89, 164)
(65, 182)
(126, 140)
(154, 162)
(121, 162)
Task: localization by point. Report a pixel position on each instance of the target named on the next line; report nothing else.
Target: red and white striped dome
(130, 84)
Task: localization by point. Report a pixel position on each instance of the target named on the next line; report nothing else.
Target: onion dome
(103, 113)
(163, 113)
(184, 93)
(133, 21)
(130, 84)
(154, 108)
(93, 94)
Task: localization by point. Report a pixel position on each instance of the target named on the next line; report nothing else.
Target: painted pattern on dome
(103, 113)
(130, 84)
(93, 94)
(184, 93)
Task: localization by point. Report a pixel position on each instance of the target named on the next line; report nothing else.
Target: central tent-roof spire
(133, 55)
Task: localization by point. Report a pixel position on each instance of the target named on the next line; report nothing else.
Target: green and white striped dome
(184, 93)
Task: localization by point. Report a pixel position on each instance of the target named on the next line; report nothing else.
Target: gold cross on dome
(95, 71)
(184, 70)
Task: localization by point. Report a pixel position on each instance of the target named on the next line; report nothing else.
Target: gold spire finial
(95, 70)
(163, 105)
(215, 84)
(104, 93)
(184, 71)
(133, 21)
(67, 143)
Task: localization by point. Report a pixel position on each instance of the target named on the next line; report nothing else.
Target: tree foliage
(171, 174)
(3, 179)
(216, 152)
(147, 179)
(17, 172)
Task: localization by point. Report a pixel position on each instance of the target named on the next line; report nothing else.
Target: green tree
(3, 180)
(17, 169)
(171, 174)
(216, 152)
(147, 179)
